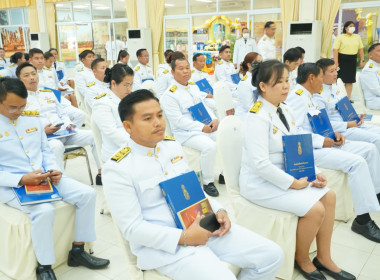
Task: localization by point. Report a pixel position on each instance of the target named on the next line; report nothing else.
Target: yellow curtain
(290, 11)
(51, 20)
(156, 16)
(33, 19)
(6, 4)
(327, 10)
(131, 13)
(161, 49)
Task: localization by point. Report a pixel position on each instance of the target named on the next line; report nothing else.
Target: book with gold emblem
(298, 156)
(185, 198)
(321, 125)
(199, 113)
(346, 110)
(205, 86)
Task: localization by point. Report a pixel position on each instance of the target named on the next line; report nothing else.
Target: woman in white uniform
(16, 59)
(264, 181)
(105, 110)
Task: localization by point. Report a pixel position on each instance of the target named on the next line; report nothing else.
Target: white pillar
(142, 13)
(41, 11)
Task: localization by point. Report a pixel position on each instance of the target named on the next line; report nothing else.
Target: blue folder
(56, 92)
(185, 198)
(368, 117)
(205, 86)
(27, 199)
(1, 67)
(235, 78)
(200, 113)
(150, 79)
(61, 133)
(298, 156)
(346, 110)
(60, 74)
(321, 124)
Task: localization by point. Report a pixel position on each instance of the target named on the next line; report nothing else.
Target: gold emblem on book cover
(185, 192)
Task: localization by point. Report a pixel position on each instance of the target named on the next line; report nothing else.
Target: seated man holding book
(349, 123)
(131, 187)
(26, 159)
(193, 124)
(265, 180)
(360, 160)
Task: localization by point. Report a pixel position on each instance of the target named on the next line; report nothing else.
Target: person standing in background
(243, 46)
(266, 45)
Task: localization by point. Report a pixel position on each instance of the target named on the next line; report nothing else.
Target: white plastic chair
(84, 107)
(223, 100)
(150, 85)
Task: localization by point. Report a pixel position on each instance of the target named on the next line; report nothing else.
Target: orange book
(44, 187)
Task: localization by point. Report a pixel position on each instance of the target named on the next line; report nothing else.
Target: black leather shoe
(78, 256)
(210, 189)
(315, 275)
(370, 230)
(342, 275)
(44, 272)
(221, 179)
(99, 180)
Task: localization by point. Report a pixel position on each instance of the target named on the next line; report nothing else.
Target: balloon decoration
(368, 23)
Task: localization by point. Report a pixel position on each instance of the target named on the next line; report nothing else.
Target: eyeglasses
(128, 85)
(145, 56)
(14, 110)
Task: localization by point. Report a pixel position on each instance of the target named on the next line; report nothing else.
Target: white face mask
(351, 29)
(245, 35)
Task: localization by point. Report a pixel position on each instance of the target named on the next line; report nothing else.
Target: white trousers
(365, 133)
(259, 258)
(77, 116)
(205, 143)
(81, 138)
(361, 161)
(42, 218)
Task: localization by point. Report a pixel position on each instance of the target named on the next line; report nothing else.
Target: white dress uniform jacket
(106, 117)
(82, 78)
(197, 75)
(94, 89)
(327, 99)
(246, 96)
(267, 47)
(370, 82)
(3, 63)
(164, 80)
(242, 47)
(360, 160)
(162, 67)
(223, 72)
(12, 70)
(293, 79)
(263, 179)
(142, 73)
(140, 210)
(23, 149)
(60, 66)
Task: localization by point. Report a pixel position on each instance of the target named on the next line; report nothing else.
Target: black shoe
(78, 256)
(315, 275)
(99, 180)
(370, 230)
(210, 189)
(44, 272)
(342, 275)
(221, 179)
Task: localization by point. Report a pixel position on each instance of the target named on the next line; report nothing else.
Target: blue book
(346, 110)
(298, 156)
(321, 124)
(1, 67)
(27, 199)
(56, 92)
(149, 79)
(235, 78)
(205, 86)
(199, 113)
(61, 133)
(60, 74)
(185, 198)
(368, 118)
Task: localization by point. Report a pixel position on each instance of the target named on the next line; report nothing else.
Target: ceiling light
(205, 1)
(80, 6)
(102, 8)
(169, 5)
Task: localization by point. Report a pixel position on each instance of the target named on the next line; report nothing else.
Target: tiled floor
(350, 251)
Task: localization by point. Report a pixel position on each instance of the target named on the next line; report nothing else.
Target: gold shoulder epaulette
(191, 83)
(299, 91)
(256, 107)
(100, 95)
(264, 39)
(220, 62)
(244, 78)
(81, 70)
(121, 154)
(192, 71)
(165, 71)
(137, 68)
(46, 90)
(12, 65)
(30, 113)
(173, 88)
(370, 65)
(91, 84)
(77, 63)
(47, 68)
(60, 60)
(320, 92)
(169, 138)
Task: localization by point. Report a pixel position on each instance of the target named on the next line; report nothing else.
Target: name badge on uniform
(176, 159)
(30, 130)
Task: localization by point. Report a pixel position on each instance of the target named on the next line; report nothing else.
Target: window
(16, 16)
(228, 5)
(119, 9)
(175, 7)
(4, 17)
(267, 4)
(64, 12)
(101, 9)
(203, 6)
(82, 11)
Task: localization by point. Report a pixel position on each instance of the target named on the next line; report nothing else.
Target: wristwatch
(362, 60)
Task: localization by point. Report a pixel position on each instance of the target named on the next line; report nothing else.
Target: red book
(44, 187)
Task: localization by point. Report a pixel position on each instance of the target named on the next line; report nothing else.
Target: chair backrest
(357, 91)
(150, 85)
(229, 143)
(223, 100)
(168, 130)
(97, 138)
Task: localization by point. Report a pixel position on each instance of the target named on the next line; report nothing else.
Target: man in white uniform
(3, 60)
(25, 158)
(96, 86)
(370, 78)
(60, 68)
(143, 71)
(224, 69)
(266, 45)
(243, 46)
(84, 74)
(292, 58)
(189, 132)
(360, 160)
(140, 210)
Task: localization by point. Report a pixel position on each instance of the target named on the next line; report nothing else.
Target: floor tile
(372, 267)
(82, 273)
(117, 259)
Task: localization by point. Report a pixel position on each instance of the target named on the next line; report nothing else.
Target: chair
(78, 150)
(223, 100)
(83, 106)
(150, 85)
(275, 225)
(18, 260)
